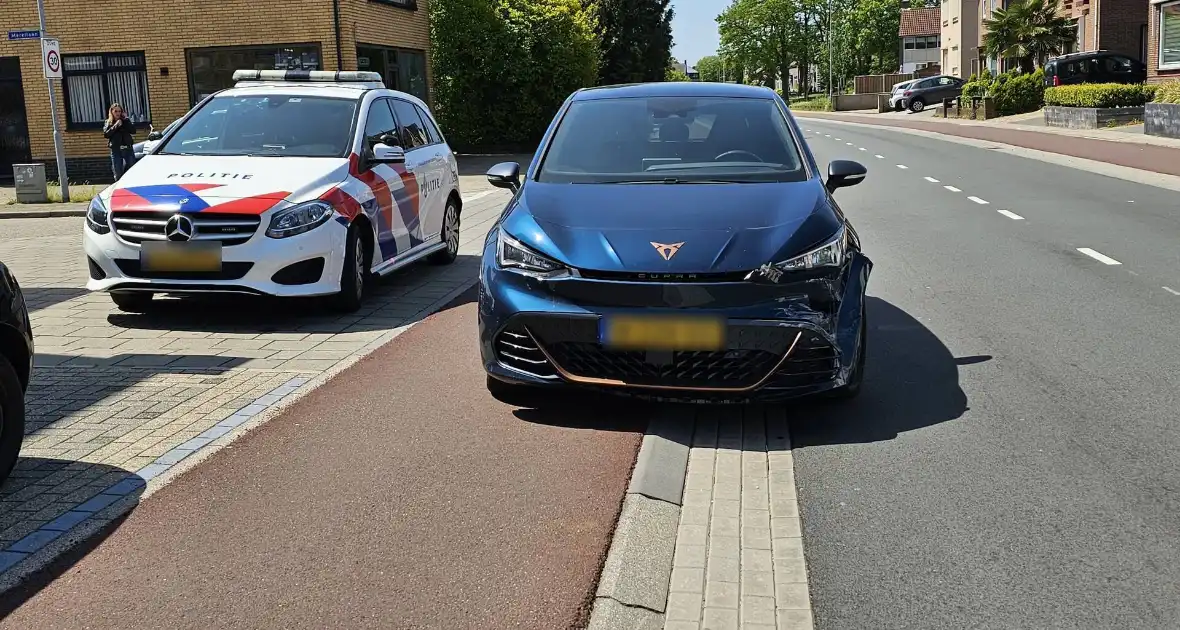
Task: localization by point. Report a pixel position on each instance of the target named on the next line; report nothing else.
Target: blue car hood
(722, 227)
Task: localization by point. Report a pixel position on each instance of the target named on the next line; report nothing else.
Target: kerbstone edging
(663, 460)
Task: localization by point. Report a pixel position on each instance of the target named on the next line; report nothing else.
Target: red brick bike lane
(397, 495)
(1146, 157)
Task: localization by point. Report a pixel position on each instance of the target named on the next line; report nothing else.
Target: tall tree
(711, 68)
(1029, 31)
(636, 40)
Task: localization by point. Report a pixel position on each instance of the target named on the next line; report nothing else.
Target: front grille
(229, 271)
(229, 229)
(677, 278)
(516, 349)
(813, 362)
(752, 351)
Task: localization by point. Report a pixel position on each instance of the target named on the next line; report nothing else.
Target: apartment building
(1163, 40)
(920, 35)
(960, 35)
(165, 56)
(1119, 26)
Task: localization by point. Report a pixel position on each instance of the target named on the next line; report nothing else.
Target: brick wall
(1154, 74)
(163, 29)
(1121, 26)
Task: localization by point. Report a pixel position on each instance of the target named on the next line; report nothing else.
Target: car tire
(450, 236)
(897, 107)
(856, 378)
(917, 105)
(137, 302)
(512, 394)
(354, 273)
(12, 417)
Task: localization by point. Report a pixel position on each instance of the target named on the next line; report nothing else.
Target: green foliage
(813, 104)
(975, 87)
(1167, 93)
(711, 68)
(636, 40)
(1029, 31)
(674, 74)
(502, 68)
(1018, 93)
(1100, 95)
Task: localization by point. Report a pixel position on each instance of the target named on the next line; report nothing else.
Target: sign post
(51, 61)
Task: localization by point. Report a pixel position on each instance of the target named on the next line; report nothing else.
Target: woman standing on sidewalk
(118, 130)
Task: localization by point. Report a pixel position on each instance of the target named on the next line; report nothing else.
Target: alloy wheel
(451, 229)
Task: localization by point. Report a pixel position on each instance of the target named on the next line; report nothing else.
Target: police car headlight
(300, 219)
(830, 254)
(97, 217)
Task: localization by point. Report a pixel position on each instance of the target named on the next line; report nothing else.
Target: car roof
(674, 88)
(346, 91)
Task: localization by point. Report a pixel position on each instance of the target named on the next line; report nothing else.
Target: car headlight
(299, 219)
(830, 254)
(512, 254)
(97, 217)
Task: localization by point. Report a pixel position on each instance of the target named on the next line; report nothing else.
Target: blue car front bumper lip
(784, 340)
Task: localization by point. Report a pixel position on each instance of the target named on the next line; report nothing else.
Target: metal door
(14, 125)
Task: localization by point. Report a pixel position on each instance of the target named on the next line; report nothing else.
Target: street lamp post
(831, 88)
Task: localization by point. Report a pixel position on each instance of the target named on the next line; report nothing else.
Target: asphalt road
(398, 495)
(1014, 461)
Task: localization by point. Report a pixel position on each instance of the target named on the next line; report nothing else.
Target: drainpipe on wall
(336, 20)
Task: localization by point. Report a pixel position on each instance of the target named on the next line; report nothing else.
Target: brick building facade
(1163, 41)
(1118, 26)
(163, 57)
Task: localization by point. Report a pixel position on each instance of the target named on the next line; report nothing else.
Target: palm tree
(1029, 31)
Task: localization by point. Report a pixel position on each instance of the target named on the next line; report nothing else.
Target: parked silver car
(895, 95)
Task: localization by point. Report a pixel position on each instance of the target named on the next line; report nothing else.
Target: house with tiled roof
(919, 36)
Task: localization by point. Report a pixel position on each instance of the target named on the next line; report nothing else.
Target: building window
(909, 43)
(91, 83)
(400, 69)
(401, 4)
(211, 70)
(1169, 36)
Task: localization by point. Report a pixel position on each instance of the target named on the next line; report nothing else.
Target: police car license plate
(163, 256)
(625, 332)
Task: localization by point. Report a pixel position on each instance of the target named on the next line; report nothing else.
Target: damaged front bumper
(785, 339)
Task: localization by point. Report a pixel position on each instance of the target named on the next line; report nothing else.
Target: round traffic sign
(53, 61)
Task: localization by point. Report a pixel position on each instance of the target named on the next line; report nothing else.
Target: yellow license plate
(160, 256)
(663, 333)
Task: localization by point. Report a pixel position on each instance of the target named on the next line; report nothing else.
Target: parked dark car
(1098, 66)
(16, 366)
(931, 92)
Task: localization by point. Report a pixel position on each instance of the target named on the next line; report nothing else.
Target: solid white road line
(879, 157)
(952, 189)
(1100, 257)
(1011, 215)
(902, 166)
(982, 202)
(1172, 291)
(931, 180)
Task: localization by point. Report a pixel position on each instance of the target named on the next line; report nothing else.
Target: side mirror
(505, 175)
(155, 135)
(844, 173)
(385, 154)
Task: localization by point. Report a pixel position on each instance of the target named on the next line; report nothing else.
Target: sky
(694, 28)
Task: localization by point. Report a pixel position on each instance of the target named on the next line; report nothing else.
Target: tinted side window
(428, 124)
(411, 126)
(379, 123)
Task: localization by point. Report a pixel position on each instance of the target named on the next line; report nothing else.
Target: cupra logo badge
(667, 251)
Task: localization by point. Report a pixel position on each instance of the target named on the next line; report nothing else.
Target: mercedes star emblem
(180, 228)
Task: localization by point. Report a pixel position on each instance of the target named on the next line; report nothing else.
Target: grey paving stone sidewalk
(118, 398)
(739, 553)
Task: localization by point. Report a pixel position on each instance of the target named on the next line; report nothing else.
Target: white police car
(291, 183)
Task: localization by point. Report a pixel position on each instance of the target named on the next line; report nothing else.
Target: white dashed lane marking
(1100, 257)
(932, 180)
(952, 189)
(848, 143)
(1171, 290)
(902, 166)
(1011, 215)
(879, 157)
(982, 202)
(862, 148)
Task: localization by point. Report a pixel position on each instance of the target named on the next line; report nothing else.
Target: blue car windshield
(273, 125)
(667, 139)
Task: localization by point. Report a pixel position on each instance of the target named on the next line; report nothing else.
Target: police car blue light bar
(323, 76)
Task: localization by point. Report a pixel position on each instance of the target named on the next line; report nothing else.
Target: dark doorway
(14, 123)
(402, 69)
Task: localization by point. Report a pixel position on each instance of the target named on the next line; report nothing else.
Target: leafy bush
(813, 104)
(674, 75)
(1017, 93)
(1168, 93)
(1101, 95)
(502, 68)
(976, 88)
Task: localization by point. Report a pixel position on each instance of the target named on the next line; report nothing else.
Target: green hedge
(502, 68)
(1168, 93)
(975, 88)
(1016, 93)
(812, 104)
(1100, 95)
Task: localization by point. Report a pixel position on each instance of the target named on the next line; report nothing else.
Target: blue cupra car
(674, 241)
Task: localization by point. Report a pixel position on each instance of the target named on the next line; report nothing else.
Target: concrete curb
(42, 214)
(633, 589)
